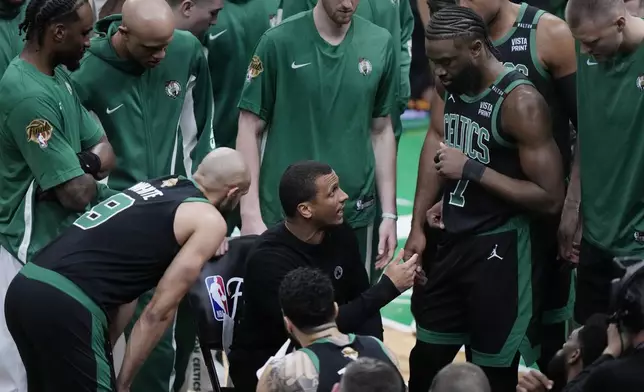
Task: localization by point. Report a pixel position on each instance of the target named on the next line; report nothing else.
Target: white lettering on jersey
(485, 109)
(519, 44)
(145, 190)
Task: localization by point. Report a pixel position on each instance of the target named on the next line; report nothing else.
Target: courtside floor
(397, 318)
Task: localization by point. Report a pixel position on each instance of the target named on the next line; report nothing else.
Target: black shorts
(595, 273)
(482, 291)
(61, 334)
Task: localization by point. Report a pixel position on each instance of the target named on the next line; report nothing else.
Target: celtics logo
(364, 66)
(172, 89)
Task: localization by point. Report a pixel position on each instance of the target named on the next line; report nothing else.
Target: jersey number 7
(457, 198)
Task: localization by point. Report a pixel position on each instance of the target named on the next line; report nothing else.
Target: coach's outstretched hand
(402, 274)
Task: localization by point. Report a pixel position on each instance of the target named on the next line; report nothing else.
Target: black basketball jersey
(473, 125)
(518, 50)
(555, 7)
(330, 359)
(121, 248)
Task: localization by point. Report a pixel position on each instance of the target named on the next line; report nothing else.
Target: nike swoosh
(588, 62)
(215, 36)
(296, 66)
(110, 111)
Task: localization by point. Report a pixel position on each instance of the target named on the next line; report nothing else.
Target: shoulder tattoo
(294, 373)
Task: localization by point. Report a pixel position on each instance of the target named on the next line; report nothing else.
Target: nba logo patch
(217, 293)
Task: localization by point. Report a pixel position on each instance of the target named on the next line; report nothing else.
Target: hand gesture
(450, 162)
(435, 216)
(402, 274)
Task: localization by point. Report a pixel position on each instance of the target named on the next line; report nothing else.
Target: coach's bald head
(147, 29)
(460, 377)
(223, 177)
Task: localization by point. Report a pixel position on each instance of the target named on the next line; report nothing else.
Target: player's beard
(467, 81)
(558, 369)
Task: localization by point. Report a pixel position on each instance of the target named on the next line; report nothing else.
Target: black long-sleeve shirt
(276, 253)
(607, 374)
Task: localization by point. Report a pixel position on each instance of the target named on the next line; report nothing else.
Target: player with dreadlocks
(494, 157)
(51, 150)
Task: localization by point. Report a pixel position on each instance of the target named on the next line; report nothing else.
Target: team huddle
(136, 135)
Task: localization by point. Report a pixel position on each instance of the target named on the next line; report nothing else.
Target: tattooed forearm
(77, 193)
(292, 374)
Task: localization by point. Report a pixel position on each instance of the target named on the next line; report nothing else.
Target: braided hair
(437, 5)
(41, 13)
(457, 22)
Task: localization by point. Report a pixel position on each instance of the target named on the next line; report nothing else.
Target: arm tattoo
(77, 193)
(295, 374)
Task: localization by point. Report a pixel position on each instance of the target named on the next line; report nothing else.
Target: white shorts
(13, 377)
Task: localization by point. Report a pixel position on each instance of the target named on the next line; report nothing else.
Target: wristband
(386, 215)
(473, 170)
(90, 162)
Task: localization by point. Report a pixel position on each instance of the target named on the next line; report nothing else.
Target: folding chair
(216, 299)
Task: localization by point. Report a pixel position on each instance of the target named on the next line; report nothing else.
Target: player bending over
(155, 233)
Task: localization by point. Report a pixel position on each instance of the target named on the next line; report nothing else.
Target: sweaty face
(328, 206)
(201, 15)
(486, 9)
(75, 38)
(147, 49)
(600, 38)
(453, 62)
(340, 11)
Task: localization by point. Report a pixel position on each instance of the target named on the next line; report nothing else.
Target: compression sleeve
(566, 87)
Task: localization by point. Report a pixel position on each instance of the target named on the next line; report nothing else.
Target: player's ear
(620, 22)
(305, 210)
(123, 30)
(288, 324)
(186, 8)
(574, 356)
(336, 387)
(58, 32)
(476, 48)
(337, 310)
(232, 192)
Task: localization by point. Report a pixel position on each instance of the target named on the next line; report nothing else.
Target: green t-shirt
(159, 120)
(42, 127)
(610, 100)
(318, 101)
(393, 15)
(230, 45)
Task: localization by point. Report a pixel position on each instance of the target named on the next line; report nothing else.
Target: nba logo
(217, 290)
